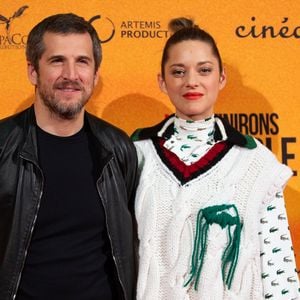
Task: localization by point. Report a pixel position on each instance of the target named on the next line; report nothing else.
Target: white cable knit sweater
(166, 213)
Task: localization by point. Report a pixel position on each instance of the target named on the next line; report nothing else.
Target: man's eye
(56, 60)
(83, 60)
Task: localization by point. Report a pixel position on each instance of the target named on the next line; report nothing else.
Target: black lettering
(263, 124)
(24, 39)
(265, 30)
(8, 40)
(129, 24)
(148, 25)
(137, 34)
(162, 34)
(275, 129)
(283, 32)
(142, 25)
(243, 120)
(16, 39)
(296, 32)
(269, 143)
(151, 34)
(123, 24)
(238, 32)
(253, 124)
(285, 155)
(243, 28)
(235, 121)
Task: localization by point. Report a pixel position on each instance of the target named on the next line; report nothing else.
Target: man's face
(66, 76)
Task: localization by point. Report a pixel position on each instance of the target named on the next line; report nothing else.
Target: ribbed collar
(201, 131)
(223, 131)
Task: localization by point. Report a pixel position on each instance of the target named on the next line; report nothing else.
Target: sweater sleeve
(279, 275)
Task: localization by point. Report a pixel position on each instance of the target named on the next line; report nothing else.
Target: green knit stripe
(135, 136)
(217, 214)
(251, 144)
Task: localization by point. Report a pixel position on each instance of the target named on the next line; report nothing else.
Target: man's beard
(63, 110)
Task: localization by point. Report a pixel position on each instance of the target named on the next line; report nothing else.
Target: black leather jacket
(21, 187)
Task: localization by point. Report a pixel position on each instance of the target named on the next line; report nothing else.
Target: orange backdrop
(259, 42)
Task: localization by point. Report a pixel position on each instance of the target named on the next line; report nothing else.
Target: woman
(209, 206)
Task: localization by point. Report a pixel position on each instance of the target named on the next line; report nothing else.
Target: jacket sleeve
(130, 165)
(130, 171)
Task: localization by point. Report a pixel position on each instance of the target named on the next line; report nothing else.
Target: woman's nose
(192, 80)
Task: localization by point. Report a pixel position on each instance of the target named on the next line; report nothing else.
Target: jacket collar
(98, 128)
(27, 121)
(224, 131)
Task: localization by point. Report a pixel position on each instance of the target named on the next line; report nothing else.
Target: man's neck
(56, 125)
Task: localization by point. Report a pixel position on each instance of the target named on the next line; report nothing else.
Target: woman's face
(192, 79)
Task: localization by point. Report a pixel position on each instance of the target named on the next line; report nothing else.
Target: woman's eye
(178, 73)
(205, 71)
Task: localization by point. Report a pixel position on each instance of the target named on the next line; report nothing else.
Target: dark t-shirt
(69, 255)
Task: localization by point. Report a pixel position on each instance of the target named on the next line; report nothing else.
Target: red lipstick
(192, 95)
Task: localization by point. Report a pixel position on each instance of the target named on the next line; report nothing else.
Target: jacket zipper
(108, 234)
(31, 230)
(33, 224)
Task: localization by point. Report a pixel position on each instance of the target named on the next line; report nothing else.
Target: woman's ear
(223, 79)
(162, 83)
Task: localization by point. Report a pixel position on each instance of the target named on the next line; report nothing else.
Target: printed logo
(142, 29)
(108, 26)
(284, 30)
(10, 39)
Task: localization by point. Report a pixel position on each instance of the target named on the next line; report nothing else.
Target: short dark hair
(61, 24)
(184, 29)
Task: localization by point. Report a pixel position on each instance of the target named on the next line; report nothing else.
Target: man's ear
(96, 77)
(32, 73)
(162, 84)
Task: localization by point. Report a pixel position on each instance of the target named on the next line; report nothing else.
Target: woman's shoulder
(164, 128)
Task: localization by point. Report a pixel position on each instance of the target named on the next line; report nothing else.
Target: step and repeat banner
(258, 40)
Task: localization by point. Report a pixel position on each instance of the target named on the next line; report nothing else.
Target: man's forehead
(66, 36)
(67, 43)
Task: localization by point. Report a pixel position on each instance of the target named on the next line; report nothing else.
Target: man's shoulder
(11, 123)
(15, 124)
(104, 129)
(15, 118)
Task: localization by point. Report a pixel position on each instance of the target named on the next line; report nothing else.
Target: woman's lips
(192, 96)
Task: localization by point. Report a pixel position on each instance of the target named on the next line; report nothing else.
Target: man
(66, 179)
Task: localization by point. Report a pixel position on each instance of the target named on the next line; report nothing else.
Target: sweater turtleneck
(191, 139)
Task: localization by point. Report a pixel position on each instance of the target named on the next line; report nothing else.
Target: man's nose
(70, 71)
